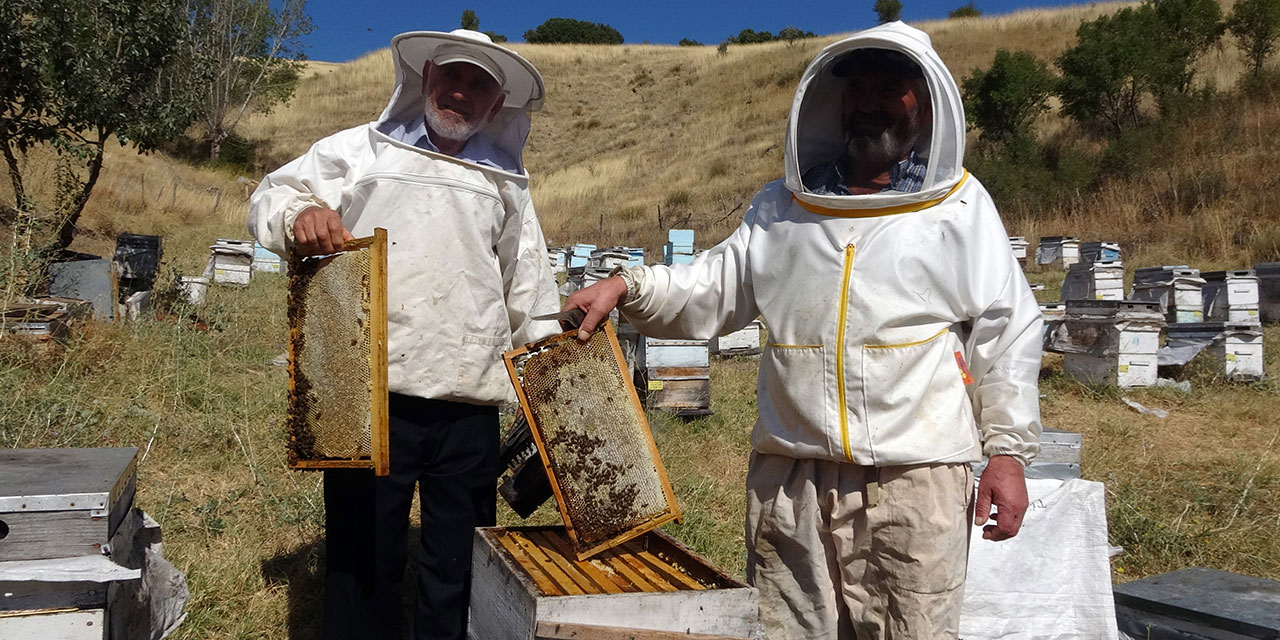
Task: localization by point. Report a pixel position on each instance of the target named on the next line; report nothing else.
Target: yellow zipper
(844, 313)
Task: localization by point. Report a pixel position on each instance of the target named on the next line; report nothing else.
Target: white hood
(814, 135)
(524, 89)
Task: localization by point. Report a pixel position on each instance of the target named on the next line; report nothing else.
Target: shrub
(1005, 100)
(686, 42)
(967, 11)
(888, 10)
(571, 31)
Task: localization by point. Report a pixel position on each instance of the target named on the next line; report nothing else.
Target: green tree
(791, 34)
(751, 36)
(966, 11)
(79, 73)
(253, 55)
(1186, 30)
(571, 31)
(1256, 27)
(469, 20)
(687, 42)
(888, 10)
(1005, 100)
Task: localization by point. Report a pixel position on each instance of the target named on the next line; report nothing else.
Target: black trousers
(450, 451)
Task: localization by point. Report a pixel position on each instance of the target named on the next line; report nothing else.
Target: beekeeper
(441, 170)
(904, 344)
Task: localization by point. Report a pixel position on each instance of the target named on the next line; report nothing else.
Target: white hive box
(1235, 347)
(1018, 245)
(526, 584)
(743, 342)
(265, 261)
(1062, 251)
(1094, 281)
(1110, 342)
(1231, 296)
(1178, 289)
(230, 262)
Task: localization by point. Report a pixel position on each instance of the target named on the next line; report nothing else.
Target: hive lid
(63, 479)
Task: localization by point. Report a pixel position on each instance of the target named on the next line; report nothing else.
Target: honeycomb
(330, 369)
(595, 438)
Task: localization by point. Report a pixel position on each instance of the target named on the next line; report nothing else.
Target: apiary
(527, 583)
(1061, 251)
(1231, 296)
(593, 438)
(1110, 342)
(1268, 290)
(61, 508)
(1094, 281)
(743, 342)
(338, 358)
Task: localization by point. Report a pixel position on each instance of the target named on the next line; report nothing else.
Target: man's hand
(1003, 486)
(597, 301)
(318, 232)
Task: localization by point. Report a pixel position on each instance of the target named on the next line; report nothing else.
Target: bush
(686, 42)
(967, 11)
(1005, 100)
(1256, 26)
(888, 10)
(1111, 68)
(1026, 177)
(571, 31)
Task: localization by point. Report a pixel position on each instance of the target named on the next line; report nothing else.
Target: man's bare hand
(1004, 486)
(319, 231)
(597, 301)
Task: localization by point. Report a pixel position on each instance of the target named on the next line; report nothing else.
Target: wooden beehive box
(59, 503)
(526, 584)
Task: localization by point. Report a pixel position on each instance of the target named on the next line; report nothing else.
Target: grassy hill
(626, 131)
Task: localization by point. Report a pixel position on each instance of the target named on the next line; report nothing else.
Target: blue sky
(346, 29)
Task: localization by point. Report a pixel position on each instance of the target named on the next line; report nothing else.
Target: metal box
(60, 503)
(1059, 457)
(526, 584)
(1199, 603)
(92, 280)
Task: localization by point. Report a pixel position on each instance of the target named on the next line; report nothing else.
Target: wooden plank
(52, 534)
(563, 551)
(503, 601)
(521, 557)
(574, 631)
(30, 595)
(379, 415)
(543, 561)
(642, 584)
(331, 463)
(671, 574)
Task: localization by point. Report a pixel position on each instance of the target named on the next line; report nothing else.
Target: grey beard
(449, 130)
(883, 150)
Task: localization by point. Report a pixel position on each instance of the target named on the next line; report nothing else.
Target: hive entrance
(593, 438)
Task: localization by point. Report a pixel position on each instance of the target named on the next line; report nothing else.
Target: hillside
(626, 131)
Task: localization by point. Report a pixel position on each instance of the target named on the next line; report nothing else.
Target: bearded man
(904, 344)
(441, 170)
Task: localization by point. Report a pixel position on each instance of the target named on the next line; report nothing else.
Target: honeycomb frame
(311, 390)
(608, 489)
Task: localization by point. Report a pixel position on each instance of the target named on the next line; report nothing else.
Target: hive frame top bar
(515, 361)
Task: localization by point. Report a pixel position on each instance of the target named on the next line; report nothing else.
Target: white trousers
(841, 551)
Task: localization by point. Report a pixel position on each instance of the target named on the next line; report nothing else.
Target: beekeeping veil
(815, 136)
(521, 83)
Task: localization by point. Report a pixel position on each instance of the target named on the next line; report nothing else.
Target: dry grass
(627, 130)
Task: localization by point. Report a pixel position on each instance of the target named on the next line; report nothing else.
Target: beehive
(527, 583)
(338, 358)
(593, 438)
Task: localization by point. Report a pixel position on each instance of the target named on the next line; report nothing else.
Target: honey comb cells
(337, 329)
(593, 437)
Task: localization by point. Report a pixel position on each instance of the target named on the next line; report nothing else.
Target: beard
(881, 142)
(450, 126)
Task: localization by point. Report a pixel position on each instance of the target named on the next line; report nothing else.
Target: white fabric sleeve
(1004, 347)
(710, 297)
(527, 279)
(316, 179)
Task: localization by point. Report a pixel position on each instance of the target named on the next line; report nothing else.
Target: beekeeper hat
(521, 82)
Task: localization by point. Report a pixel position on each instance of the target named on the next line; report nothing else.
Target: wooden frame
(379, 458)
(672, 512)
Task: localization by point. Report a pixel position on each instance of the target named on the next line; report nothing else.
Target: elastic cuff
(1022, 459)
(630, 279)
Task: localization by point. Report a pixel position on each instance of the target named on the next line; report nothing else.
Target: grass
(628, 132)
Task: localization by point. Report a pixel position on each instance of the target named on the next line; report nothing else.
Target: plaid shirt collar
(906, 176)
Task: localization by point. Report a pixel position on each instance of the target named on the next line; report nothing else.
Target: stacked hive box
(1178, 290)
(230, 262)
(1094, 281)
(1234, 347)
(1062, 251)
(677, 374)
(59, 509)
(1018, 245)
(1231, 296)
(679, 247)
(1110, 342)
(580, 255)
(1100, 252)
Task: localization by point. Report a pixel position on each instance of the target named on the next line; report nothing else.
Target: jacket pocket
(794, 387)
(916, 406)
(482, 373)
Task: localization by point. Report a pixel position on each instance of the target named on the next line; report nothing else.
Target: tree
(686, 42)
(751, 36)
(469, 20)
(253, 55)
(966, 11)
(569, 30)
(79, 73)
(1256, 27)
(888, 10)
(1005, 100)
(791, 34)
(1186, 29)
